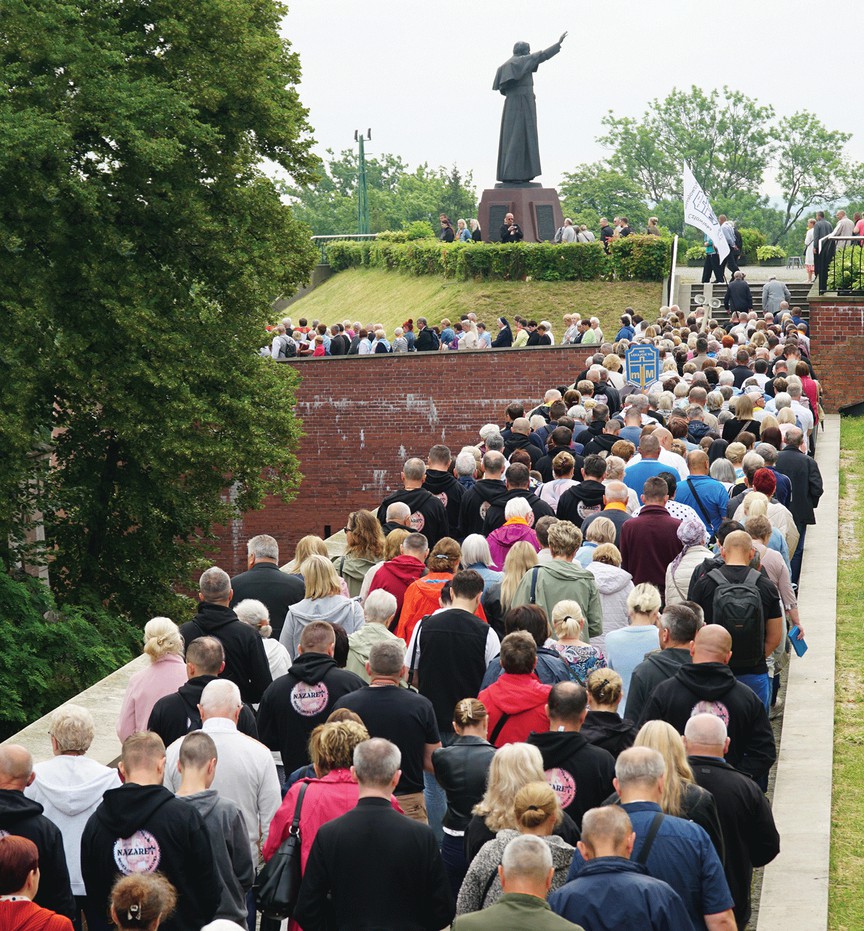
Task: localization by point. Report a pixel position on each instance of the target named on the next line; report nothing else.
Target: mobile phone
(799, 646)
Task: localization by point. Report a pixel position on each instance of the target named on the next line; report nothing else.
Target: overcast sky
(420, 74)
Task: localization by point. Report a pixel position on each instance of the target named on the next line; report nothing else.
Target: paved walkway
(795, 885)
(754, 273)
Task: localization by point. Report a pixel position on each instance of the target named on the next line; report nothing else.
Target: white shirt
(493, 644)
(804, 415)
(678, 510)
(568, 234)
(245, 774)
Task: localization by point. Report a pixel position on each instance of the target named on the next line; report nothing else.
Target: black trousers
(712, 264)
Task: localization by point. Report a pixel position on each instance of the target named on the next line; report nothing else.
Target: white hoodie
(70, 789)
(614, 585)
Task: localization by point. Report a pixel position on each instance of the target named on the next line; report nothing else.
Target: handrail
(323, 241)
(841, 282)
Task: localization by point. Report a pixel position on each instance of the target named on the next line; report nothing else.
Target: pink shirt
(162, 677)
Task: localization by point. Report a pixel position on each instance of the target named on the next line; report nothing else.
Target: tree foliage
(140, 248)
(593, 191)
(397, 196)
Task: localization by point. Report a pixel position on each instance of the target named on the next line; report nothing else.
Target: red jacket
(396, 575)
(421, 598)
(524, 698)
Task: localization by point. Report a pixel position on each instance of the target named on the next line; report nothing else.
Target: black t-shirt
(402, 717)
(702, 592)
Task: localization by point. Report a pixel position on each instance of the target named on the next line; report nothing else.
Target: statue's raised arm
(518, 147)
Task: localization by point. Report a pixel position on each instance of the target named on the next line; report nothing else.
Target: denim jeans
(760, 684)
(455, 864)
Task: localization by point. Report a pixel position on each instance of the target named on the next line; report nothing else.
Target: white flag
(698, 213)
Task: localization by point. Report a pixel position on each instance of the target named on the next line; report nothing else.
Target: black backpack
(738, 607)
(287, 348)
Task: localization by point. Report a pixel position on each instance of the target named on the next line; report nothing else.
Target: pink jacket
(146, 687)
(325, 799)
(501, 540)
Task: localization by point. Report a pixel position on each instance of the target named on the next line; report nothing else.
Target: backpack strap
(645, 851)
(488, 886)
(699, 503)
(413, 664)
(496, 731)
(295, 821)
(534, 573)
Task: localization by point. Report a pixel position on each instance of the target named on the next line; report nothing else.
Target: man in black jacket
(587, 498)
(738, 297)
(441, 483)
(707, 685)
(518, 486)
(520, 438)
(428, 514)
(559, 442)
(803, 472)
(173, 716)
(374, 868)
(678, 626)
(265, 581)
(749, 832)
(23, 817)
(580, 774)
(140, 828)
(477, 499)
(427, 340)
(245, 660)
(297, 703)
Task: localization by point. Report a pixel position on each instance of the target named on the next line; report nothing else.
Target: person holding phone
(511, 231)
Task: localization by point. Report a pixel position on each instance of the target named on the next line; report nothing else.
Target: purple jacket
(504, 537)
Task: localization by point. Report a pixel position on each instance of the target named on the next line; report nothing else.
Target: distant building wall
(837, 348)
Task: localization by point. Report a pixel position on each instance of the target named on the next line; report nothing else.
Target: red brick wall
(837, 348)
(364, 416)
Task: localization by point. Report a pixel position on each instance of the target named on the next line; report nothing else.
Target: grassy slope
(846, 904)
(390, 297)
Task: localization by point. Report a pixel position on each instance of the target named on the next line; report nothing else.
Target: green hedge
(642, 258)
(48, 655)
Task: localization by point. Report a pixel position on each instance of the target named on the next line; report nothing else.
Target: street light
(362, 194)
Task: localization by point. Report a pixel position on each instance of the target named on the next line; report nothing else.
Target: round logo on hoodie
(417, 521)
(139, 853)
(717, 708)
(309, 698)
(484, 507)
(4, 833)
(442, 497)
(562, 784)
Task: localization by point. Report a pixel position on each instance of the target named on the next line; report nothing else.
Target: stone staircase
(693, 294)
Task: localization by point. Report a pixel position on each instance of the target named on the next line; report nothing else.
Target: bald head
(737, 548)
(705, 735)
(617, 492)
(663, 437)
(521, 425)
(16, 767)
(399, 513)
(712, 644)
(697, 462)
(649, 446)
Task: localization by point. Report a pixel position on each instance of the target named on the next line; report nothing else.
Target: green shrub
(694, 253)
(770, 252)
(640, 258)
(344, 254)
(393, 236)
(48, 655)
(846, 272)
(419, 229)
(751, 239)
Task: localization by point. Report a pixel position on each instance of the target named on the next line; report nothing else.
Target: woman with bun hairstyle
(536, 811)
(142, 901)
(461, 770)
(163, 676)
(603, 726)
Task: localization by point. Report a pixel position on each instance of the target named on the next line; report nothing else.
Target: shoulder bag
(277, 885)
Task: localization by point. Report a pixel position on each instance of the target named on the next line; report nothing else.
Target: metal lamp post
(362, 193)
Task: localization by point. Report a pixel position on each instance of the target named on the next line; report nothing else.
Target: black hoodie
(520, 441)
(22, 816)
(173, 716)
(428, 514)
(605, 729)
(581, 501)
(654, 669)
(449, 492)
(580, 774)
(143, 829)
(711, 687)
(495, 513)
(544, 465)
(475, 504)
(297, 703)
(602, 443)
(245, 660)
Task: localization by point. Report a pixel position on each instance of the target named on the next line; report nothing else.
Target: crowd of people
(534, 690)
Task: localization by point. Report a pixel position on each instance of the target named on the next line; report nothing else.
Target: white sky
(420, 74)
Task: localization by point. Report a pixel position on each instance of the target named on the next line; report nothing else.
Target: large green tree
(397, 195)
(595, 190)
(140, 247)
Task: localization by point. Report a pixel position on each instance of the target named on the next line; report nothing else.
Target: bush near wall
(635, 258)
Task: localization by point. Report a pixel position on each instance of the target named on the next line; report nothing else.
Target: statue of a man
(518, 148)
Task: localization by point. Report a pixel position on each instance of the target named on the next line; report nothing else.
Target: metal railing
(841, 265)
(323, 241)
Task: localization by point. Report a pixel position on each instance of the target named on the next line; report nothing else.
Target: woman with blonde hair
(332, 791)
(165, 674)
(600, 530)
(735, 453)
(324, 601)
(520, 559)
(536, 811)
(568, 622)
(627, 646)
(681, 796)
(603, 726)
(392, 548)
(563, 467)
(513, 767)
(614, 585)
(461, 769)
(311, 545)
(364, 546)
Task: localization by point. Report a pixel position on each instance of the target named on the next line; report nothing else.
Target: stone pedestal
(536, 209)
